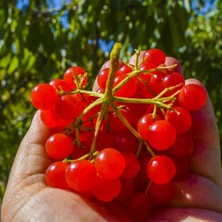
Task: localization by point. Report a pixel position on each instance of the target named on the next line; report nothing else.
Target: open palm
(199, 197)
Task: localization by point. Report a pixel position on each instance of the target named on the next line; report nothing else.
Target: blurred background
(40, 39)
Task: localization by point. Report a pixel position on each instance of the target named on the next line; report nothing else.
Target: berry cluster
(129, 138)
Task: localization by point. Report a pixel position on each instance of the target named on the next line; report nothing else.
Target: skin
(199, 197)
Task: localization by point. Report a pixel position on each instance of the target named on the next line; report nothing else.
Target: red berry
(192, 97)
(180, 118)
(105, 190)
(59, 146)
(116, 125)
(153, 58)
(104, 139)
(161, 135)
(156, 84)
(161, 169)
(128, 89)
(132, 166)
(81, 175)
(75, 73)
(44, 96)
(55, 175)
(51, 119)
(110, 163)
(125, 142)
(66, 107)
(143, 124)
(143, 75)
(161, 194)
(102, 77)
(173, 79)
(61, 85)
(124, 70)
(70, 106)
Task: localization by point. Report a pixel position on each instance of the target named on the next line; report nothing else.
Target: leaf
(4, 61)
(13, 64)
(47, 38)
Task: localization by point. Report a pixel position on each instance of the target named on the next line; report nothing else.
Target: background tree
(39, 40)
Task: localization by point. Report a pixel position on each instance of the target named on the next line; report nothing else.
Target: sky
(209, 5)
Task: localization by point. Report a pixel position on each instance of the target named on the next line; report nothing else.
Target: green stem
(126, 123)
(137, 59)
(107, 98)
(136, 72)
(90, 93)
(142, 101)
(97, 127)
(114, 62)
(132, 130)
(81, 158)
(125, 80)
(89, 107)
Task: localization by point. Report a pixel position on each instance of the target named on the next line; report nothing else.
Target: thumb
(31, 158)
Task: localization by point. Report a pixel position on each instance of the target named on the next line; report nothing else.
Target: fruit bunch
(129, 138)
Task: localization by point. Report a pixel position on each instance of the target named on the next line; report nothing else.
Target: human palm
(198, 197)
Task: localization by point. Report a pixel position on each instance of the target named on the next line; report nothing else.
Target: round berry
(55, 175)
(110, 163)
(76, 74)
(180, 118)
(132, 166)
(161, 169)
(59, 146)
(161, 134)
(44, 96)
(153, 58)
(192, 97)
(105, 190)
(81, 175)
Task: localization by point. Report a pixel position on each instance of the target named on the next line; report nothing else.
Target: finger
(198, 192)
(186, 214)
(206, 159)
(27, 173)
(31, 158)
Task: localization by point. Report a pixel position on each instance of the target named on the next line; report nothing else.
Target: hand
(27, 198)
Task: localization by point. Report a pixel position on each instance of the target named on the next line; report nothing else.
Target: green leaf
(4, 62)
(13, 64)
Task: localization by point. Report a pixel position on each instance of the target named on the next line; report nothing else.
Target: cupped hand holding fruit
(196, 195)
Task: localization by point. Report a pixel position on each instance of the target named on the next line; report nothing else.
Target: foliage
(202, 57)
(39, 41)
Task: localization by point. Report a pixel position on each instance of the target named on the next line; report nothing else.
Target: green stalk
(136, 72)
(90, 93)
(107, 98)
(132, 130)
(114, 62)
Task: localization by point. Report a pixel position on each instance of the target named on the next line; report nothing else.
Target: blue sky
(209, 5)
(55, 3)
